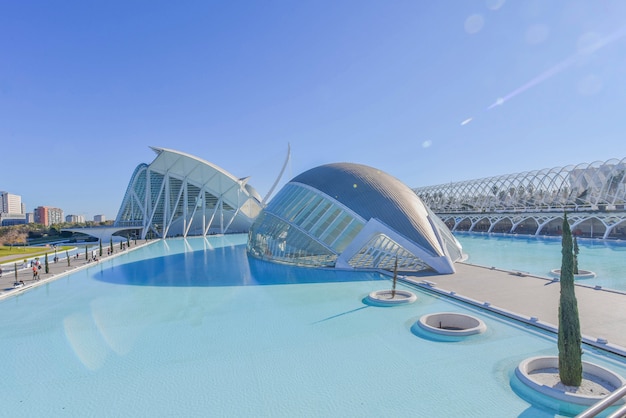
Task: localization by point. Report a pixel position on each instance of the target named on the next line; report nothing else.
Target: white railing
(605, 403)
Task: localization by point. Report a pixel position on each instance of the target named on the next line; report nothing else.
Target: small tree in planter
(569, 337)
(568, 365)
(395, 279)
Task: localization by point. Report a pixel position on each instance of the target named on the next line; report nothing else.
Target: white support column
(206, 231)
(185, 200)
(193, 213)
(173, 210)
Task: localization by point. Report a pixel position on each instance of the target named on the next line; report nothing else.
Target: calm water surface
(194, 328)
(539, 255)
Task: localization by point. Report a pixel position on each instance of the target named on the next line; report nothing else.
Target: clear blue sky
(428, 91)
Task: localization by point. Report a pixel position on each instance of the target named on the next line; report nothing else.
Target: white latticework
(533, 202)
(599, 185)
(180, 195)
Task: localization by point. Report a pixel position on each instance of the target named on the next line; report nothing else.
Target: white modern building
(178, 194)
(11, 209)
(11, 203)
(352, 216)
(99, 218)
(79, 219)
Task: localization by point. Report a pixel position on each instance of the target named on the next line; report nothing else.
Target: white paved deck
(602, 312)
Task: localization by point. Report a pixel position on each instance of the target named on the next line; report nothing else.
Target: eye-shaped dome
(352, 216)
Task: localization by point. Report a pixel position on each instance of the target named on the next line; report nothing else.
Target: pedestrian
(34, 272)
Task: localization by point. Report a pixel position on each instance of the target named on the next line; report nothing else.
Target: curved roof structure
(180, 195)
(599, 185)
(352, 216)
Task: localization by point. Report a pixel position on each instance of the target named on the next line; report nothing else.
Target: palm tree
(569, 338)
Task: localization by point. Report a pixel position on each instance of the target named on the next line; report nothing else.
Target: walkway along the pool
(58, 269)
(535, 300)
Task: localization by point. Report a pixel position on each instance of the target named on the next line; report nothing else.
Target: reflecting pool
(539, 255)
(192, 327)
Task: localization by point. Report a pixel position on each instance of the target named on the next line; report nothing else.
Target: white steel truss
(595, 186)
(181, 195)
(533, 202)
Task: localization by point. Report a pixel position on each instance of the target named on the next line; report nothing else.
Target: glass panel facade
(178, 190)
(272, 238)
(347, 235)
(301, 226)
(305, 227)
(381, 253)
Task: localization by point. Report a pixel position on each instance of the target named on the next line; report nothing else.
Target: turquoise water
(193, 328)
(539, 255)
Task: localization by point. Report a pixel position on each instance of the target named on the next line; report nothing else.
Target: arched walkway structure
(182, 195)
(533, 202)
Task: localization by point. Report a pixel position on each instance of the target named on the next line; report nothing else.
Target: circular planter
(541, 375)
(389, 298)
(451, 323)
(582, 274)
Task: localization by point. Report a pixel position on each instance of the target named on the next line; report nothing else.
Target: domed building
(352, 216)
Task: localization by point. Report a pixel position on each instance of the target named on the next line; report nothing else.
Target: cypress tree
(569, 338)
(86, 257)
(111, 244)
(100, 244)
(576, 251)
(67, 256)
(46, 265)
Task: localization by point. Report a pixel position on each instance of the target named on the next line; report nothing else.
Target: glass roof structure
(595, 186)
(352, 216)
(181, 195)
